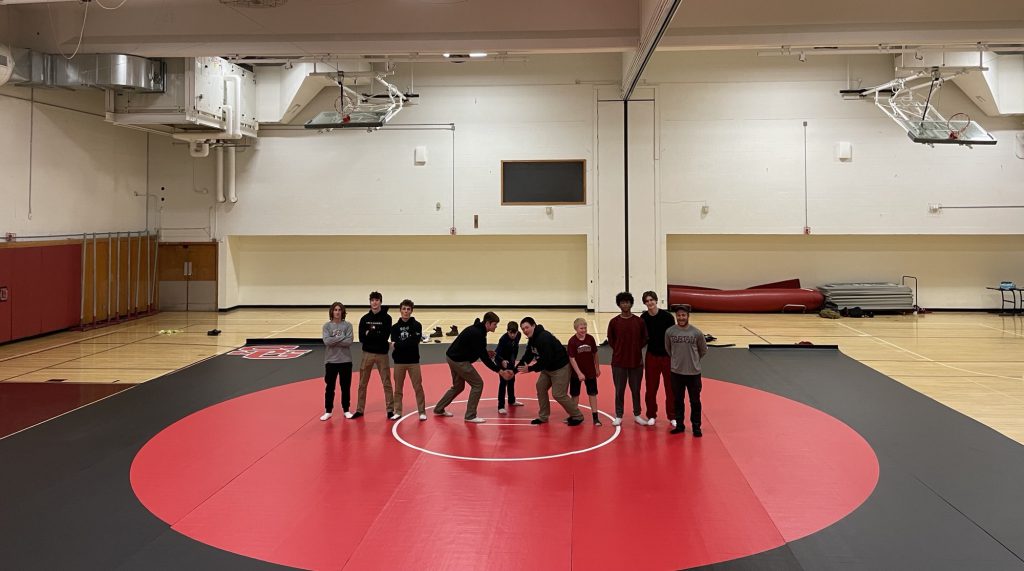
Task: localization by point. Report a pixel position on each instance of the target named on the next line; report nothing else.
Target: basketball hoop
(957, 125)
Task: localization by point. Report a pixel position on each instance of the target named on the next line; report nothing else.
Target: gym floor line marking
(394, 432)
(929, 359)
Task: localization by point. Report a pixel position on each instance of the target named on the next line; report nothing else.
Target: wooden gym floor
(971, 362)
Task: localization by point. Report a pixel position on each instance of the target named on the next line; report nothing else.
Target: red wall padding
(6, 275)
(45, 288)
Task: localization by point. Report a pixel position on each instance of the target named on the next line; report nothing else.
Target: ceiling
(377, 27)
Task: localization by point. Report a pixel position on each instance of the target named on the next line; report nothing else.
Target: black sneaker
(390, 414)
(453, 332)
(697, 432)
(597, 423)
(356, 415)
(437, 333)
(677, 430)
(574, 421)
(536, 421)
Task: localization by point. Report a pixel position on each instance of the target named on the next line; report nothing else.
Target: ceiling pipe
(231, 175)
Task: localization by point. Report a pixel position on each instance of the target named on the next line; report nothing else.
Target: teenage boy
(686, 346)
(656, 364)
(505, 357)
(374, 333)
(627, 336)
(585, 366)
(406, 335)
(553, 363)
(469, 346)
(337, 336)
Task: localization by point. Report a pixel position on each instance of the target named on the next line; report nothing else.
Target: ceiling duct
(103, 71)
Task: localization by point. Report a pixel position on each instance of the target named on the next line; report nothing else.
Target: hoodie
(406, 335)
(471, 345)
(551, 354)
(375, 330)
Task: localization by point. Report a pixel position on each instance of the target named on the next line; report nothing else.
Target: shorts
(574, 386)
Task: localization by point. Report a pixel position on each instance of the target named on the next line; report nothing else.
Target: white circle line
(394, 432)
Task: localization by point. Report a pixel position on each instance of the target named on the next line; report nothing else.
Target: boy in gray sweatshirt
(686, 346)
(337, 336)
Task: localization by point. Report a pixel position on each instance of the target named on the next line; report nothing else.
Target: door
(188, 277)
(6, 277)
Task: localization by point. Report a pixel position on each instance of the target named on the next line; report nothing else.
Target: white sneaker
(616, 421)
(640, 420)
(517, 403)
(395, 416)
(673, 424)
(348, 415)
(502, 411)
(325, 416)
(476, 420)
(423, 417)
(650, 422)
(445, 413)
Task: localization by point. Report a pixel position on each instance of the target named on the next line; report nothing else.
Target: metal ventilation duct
(105, 71)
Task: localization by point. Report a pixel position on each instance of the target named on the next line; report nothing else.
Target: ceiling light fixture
(477, 54)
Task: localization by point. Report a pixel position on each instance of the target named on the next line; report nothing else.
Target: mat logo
(270, 352)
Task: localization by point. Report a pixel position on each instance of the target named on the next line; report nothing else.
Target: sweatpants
(680, 385)
(383, 364)
(463, 373)
(340, 373)
(558, 383)
(504, 387)
(656, 368)
(416, 379)
(620, 376)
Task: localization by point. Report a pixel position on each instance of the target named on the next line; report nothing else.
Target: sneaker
(443, 413)
(476, 420)
(355, 415)
(536, 421)
(348, 414)
(616, 421)
(502, 411)
(640, 420)
(598, 423)
(575, 421)
(677, 431)
(395, 416)
(437, 333)
(517, 403)
(650, 422)
(325, 416)
(697, 432)
(389, 414)
(452, 332)
(673, 423)
(423, 417)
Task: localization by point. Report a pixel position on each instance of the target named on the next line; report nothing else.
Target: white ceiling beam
(656, 15)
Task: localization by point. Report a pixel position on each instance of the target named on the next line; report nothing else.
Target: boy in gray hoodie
(337, 336)
(686, 347)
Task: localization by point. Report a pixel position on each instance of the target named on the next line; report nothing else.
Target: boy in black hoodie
(469, 346)
(552, 361)
(505, 357)
(374, 332)
(406, 335)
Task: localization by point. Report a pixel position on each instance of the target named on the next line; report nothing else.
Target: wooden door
(188, 276)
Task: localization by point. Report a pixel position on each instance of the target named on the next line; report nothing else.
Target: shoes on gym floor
(476, 420)
(453, 332)
(325, 416)
(443, 413)
(437, 333)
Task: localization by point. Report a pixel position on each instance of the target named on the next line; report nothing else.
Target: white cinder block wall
(718, 129)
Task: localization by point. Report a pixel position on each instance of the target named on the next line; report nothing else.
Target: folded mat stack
(869, 296)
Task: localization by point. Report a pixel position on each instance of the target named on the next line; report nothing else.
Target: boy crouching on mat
(585, 366)
(505, 357)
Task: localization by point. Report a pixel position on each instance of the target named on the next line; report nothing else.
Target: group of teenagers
(657, 345)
